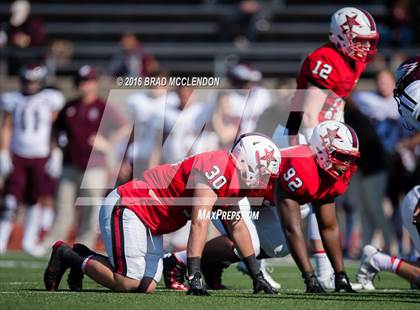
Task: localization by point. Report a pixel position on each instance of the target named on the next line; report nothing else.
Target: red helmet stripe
(370, 18)
(353, 136)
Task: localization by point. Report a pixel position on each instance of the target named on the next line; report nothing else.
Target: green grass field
(21, 287)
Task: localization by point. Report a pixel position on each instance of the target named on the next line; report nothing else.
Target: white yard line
(8, 264)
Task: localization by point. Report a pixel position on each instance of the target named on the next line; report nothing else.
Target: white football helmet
(353, 32)
(335, 143)
(256, 157)
(407, 92)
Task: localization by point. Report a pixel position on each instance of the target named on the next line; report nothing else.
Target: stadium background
(197, 38)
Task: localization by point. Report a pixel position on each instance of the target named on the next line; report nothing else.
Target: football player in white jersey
(407, 95)
(26, 160)
(147, 108)
(247, 100)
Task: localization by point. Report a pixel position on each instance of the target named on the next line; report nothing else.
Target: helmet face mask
(336, 148)
(32, 78)
(407, 92)
(353, 32)
(257, 159)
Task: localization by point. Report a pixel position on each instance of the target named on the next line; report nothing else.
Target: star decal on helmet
(268, 156)
(331, 135)
(350, 22)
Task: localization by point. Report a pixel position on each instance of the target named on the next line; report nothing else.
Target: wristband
(252, 264)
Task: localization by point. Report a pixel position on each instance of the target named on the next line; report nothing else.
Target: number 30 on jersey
(215, 178)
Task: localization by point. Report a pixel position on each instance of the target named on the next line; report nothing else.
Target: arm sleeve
(7, 102)
(56, 100)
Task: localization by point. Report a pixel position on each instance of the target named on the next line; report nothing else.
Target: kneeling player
(315, 173)
(374, 261)
(134, 217)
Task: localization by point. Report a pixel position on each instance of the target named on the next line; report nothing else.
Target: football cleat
(55, 268)
(174, 273)
(265, 269)
(328, 283)
(75, 277)
(367, 270)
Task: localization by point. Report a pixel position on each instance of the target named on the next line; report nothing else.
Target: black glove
(312, 284)
(261, 284)
(342, 282)
(197, 285)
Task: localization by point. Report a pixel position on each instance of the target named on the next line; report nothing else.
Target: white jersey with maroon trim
(148, 113)
(409, 203)
(248, 105)
(32, 120)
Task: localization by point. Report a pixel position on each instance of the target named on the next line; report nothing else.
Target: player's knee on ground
(147, 285)
(124, 284)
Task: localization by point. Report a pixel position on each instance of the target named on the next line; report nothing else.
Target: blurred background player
(26, 158)
(85, 146)
(147, 110)
(247, 100)
(327, 76)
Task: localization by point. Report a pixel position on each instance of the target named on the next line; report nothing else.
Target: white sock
(47, 218)
(385, 262)
(324, 268)
(181, 256)
(5, 231)
(32, 226)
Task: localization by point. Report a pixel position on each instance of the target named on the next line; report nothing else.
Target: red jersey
(301, 179)
(327, 68)
(164, 198)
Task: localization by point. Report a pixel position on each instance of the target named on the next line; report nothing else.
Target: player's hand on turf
(197, 285)
(312, 283)
(261, 284)
(342, 282)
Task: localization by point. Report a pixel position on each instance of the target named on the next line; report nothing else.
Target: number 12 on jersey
(294, 184)
(325, 70)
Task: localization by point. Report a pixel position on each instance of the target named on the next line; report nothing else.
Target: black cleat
(55, 268)
(75, 277)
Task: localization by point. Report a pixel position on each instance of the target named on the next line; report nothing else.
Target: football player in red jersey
(326, 77)
(315, 173)
(134, 217)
